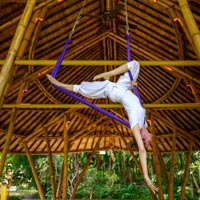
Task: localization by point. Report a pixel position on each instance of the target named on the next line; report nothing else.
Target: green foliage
(105, 178)
(21, 172)
(14, 198)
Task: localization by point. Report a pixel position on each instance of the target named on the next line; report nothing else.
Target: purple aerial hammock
(82, 100)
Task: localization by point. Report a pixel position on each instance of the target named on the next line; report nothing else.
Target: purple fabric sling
(128, 37)
(54, 73)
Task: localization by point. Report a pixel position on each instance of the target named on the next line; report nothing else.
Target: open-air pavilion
(36, 118)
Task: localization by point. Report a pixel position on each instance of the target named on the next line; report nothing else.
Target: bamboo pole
(20, 94)
(16, 42)
(177, 63)
(182, 195)
(84, 169)
(191, 24)
(4, 193)
(59, 189)
(156, 160)
(48, 3)
(172, 162)
(52, 172)
(165, 172)
(172, 106)
(19, 99)
(8, 140)
(37, 180)
(10, 130)
(65, 162)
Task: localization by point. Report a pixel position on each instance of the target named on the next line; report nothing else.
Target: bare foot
(55, 82)
(51, 79)
(153, 188)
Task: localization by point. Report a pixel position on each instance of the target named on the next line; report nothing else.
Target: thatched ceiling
(158, 32)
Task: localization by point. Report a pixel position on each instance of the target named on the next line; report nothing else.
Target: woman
(120, 92)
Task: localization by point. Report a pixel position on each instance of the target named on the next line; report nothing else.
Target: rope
(68, 41)
(77, 19)
(126, 14)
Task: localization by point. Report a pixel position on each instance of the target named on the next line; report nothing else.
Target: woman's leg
(55, 82)
(93, 90)
(143, 159)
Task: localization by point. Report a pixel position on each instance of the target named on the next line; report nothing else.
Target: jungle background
(110, 175)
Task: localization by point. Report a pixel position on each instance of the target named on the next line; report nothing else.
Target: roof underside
(158, 32)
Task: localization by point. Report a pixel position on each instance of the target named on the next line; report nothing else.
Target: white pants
(116, 93)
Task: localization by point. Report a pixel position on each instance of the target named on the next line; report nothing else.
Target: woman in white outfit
(121, 92)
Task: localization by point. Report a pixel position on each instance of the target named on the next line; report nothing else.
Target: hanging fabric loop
(128, 48)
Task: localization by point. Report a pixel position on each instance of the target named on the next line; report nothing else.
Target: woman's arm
(106, 75)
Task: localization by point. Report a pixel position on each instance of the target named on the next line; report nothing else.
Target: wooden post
(10, 131)
(65, 162)
(37, 180)
(4, 190)
(182, 195)
(59, 189)
(156, 159)
(16, 42)
(52, 173)
(84, 169)
(191, 25)
(8, 140)
(173, 157)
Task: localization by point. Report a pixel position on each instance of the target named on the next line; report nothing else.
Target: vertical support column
(36, 177)
(10, 131)
(4, 190)
(65, 162)
(84, 169)
(191, 24)
(52, 173)
(59, 189)
(8, 140)
(182, 195)
(16, 42)
(156, 160)
(171, 178)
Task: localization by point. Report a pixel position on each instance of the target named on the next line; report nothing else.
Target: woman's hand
(153, 188)
(133, 83)
(103, 75)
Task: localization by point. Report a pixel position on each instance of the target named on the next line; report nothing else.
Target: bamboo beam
(52, 172)
(8, 140)
(47, 3)
(4, 192)
(10, 131)
(78, 106)
(152, 63)
(172, 162)
(65, 162)
(59, 189)
(16, 42)
(156, 160)
(37, 180)
(191, 24)
(182, 195)
(84, 169)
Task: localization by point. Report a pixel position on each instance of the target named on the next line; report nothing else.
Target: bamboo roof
(170, 90)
